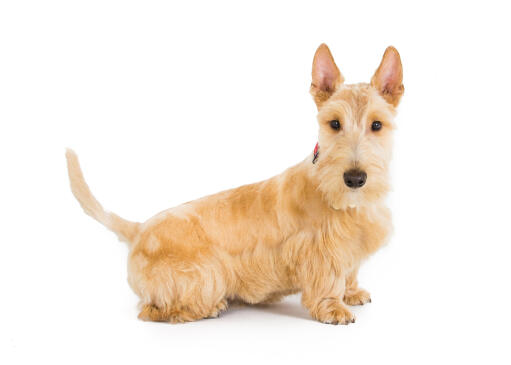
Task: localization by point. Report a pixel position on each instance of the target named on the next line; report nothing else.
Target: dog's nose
(355, 178)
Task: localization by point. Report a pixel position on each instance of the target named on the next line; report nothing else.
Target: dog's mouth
(350, 199)
(344, 207)
(344, 204)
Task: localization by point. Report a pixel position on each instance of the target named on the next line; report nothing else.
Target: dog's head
(355, 130)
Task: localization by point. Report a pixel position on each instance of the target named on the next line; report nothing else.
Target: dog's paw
(336, 313)
(358, 297)
(219, 308)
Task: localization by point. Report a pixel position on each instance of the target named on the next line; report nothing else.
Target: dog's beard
(340, 197)
(350, 199)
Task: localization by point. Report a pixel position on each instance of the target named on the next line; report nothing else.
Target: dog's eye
(376, 126)
(335, 124)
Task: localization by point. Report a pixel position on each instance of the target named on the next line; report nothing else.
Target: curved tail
(125, 230)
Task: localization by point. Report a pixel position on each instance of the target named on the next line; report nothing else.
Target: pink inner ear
(327, 78)
(325, 73)
(390, 74)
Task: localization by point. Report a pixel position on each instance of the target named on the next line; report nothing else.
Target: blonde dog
(306, 230)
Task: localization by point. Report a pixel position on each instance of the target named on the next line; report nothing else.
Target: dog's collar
(316, 153)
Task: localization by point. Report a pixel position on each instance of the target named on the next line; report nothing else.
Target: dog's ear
(326, 77)
(388, 78)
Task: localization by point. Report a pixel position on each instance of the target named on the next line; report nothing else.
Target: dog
(306, 230)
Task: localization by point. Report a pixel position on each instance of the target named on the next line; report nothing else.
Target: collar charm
(316, 153)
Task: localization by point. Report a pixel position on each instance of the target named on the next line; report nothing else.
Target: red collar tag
(316, 153)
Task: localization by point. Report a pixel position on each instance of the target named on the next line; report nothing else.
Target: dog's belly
(260, 278)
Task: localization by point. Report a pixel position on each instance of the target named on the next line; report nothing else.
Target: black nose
(355, 178)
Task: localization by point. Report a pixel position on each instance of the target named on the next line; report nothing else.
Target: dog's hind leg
(175, 289)
(179, 313)
(182, 298)
(218, 308)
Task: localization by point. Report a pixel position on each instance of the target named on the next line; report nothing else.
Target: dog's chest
(358, 233)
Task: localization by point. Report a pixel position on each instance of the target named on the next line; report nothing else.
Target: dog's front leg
(322, 296)
(353, 295)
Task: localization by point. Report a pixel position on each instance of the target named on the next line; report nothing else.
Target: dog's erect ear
(388, 78)
(326, 77)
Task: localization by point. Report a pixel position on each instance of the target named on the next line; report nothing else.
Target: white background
(166, 102)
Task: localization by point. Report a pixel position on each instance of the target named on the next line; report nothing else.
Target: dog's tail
(125, 230)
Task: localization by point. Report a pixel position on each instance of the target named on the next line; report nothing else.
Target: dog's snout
(355, 178)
